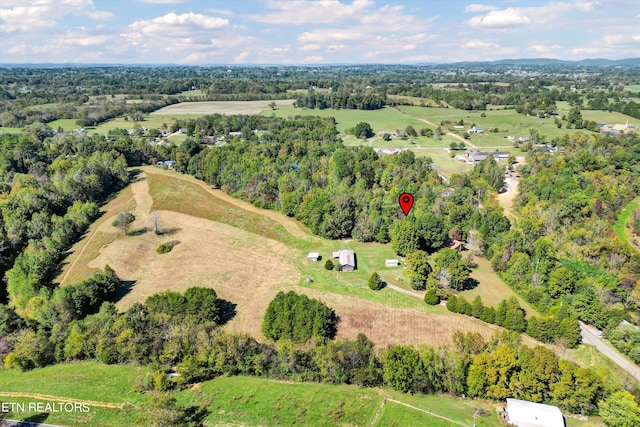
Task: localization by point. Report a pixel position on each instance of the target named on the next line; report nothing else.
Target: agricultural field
(508, 123)
(221, 107)
(213, 226)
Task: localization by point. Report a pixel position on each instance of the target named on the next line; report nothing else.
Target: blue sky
(314, 32)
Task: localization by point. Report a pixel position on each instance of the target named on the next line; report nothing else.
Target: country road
(589, 336)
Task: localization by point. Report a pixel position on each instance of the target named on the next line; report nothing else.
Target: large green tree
(620, 410)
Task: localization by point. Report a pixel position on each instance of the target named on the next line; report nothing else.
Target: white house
(476, 129)
(313, 257)
(522, 413)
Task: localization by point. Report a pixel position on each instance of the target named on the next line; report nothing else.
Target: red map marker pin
(406, 201)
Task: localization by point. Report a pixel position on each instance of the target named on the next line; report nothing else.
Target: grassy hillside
(620, 226)
(241, 401)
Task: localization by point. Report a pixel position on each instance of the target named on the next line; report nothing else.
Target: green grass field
(620, 226)
(508, 123)
(382, 119)
(491, 288)
(242, 400)
(66, 124)
(255, 401)
(231, 400)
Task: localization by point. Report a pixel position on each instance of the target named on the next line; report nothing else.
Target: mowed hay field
(247, 255)
(221, 107)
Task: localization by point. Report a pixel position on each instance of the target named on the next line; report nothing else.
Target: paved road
(589, 336)
(16, 423)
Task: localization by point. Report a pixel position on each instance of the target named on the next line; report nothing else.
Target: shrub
(329, 265)
(431, 297)
(164, 248)
(452, 304)
(374, 282)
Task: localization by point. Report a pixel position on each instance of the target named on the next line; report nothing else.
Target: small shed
(234, 134)
(392, 263)
(522, 413)
(346, 259)
(313, 257)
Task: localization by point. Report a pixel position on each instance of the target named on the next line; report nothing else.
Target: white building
(521, 413)
(313, 257)
(392, 263)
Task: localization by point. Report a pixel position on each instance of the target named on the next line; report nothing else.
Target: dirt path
(63, 399)
(93, 230)
(386, 399)
(290, 225)
(507, 198)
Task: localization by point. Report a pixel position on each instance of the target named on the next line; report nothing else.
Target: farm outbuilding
(522, 413)
(313, 257)
(346, 259)
(392, 263)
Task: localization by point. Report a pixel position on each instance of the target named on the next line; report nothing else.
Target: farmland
(220, 107)
(213, 226)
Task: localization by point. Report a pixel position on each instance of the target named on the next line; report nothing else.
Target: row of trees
(340, 100)
(298, 318)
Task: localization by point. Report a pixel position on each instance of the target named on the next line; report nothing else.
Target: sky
(199, 32)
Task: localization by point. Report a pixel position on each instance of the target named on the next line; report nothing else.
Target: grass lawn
(4, 129)
(150, 122)
(620, 226)
(202, 108)
(382, 119)
(176, 195)
(454, 408)
(82, 380)
(491, 288)
(67, 124)
(255, 401)
(508, 122)
(95, 417)
(395, 414)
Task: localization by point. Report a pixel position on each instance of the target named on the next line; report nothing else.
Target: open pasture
(221, 107)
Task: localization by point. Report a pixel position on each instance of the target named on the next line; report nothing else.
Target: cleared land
(242, 400)
(247, 255)
(620, 226)
(221, 107)
(491, 288)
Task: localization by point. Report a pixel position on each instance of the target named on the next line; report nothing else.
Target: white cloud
(475, 7)
(479, 44)
(313, 59)
(303, 12)
(524, 16)
(543, 48)
(22, 16)
(218, 11)
(240, 58)
(309, 47)
(501, 18)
